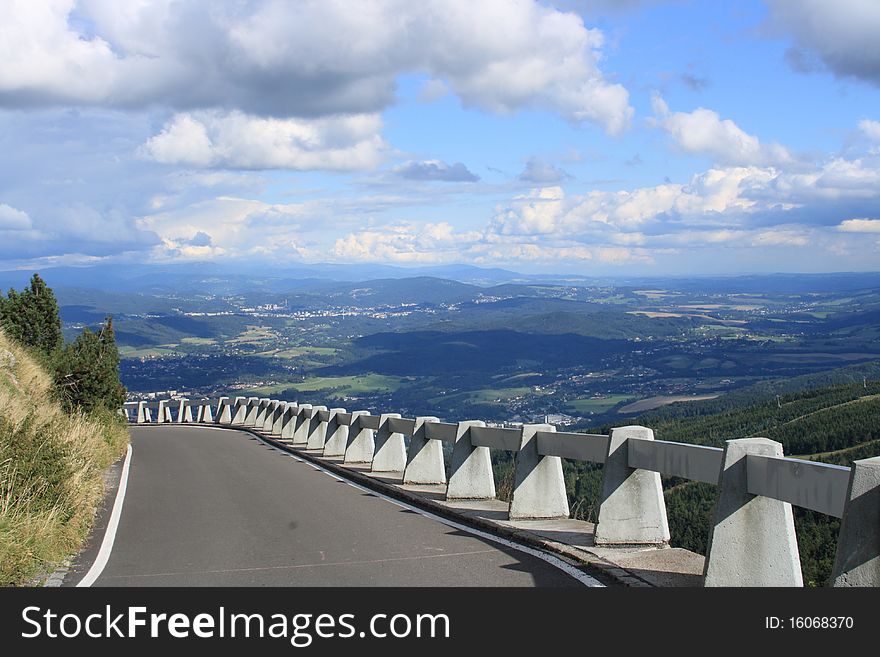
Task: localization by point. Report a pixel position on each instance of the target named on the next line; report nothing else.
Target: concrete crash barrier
(361, 441)
(471, 476)
(632, 510)
(424, 459)
(336, 436)
(538, 484)
(316, 431)
(390, 452)
(857, 562)
(752, 541)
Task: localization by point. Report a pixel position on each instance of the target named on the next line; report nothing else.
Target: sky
(595, 137)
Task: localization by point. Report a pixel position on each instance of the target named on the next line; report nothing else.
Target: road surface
(208, 507)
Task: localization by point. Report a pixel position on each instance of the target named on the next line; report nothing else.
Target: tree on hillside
(87, 370)
(31, 317)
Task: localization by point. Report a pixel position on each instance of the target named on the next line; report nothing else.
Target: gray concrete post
(632, 510)
(752, 541)
(204, 414)
(240, 410)
(361, 441)
(278, 418)
(390, 453)
(253, 407)
(301, 432)
(164, 414)
(184, 412)
(470, 475)
(224, 411)
(538, 484)
(143, 414)
(424, 460)
(288, 421)
(857, 562)
(316, 433)
(336, 435)
(269, 416)
(257, 413)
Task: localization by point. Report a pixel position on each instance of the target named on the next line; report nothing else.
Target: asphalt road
(206, 507)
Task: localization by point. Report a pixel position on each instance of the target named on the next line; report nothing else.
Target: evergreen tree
(32, 318)
(87, 370)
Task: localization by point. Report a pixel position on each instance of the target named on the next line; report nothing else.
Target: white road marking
(112, 525)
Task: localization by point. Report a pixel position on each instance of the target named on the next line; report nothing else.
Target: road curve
(206, 507)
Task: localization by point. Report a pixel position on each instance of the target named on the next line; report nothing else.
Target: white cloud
(859, 226)
(871, 129)
(236, 140)
(843, 33)
(541, 172)
(276, 58)
(434, 170)
(704, 132)
(13, 218)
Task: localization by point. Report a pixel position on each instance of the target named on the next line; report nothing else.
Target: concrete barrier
(361, 442)
(303, 420)
(752, 541)
(538, 484)
(336, 434)
(390, 452)
(316, 430)
(857, 562)
(632, 510)
(424, 459)
(470, 474)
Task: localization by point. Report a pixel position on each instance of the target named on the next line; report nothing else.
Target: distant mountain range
(239, 277)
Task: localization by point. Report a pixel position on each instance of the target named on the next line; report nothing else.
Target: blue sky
(593, 137)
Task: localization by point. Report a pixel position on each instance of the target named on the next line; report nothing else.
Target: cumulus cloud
(842, 34)
(704, 132)
(870, 129)
(236, 140)
(275, 58)
(859, 226)
(13, 218)
(434, 170)
(541, 172)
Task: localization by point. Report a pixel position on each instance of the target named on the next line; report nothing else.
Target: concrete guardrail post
(336, 437)
(390, 453)
(257, 413)
(164, 416)
(288, 420)
(278, 418)
(752, 541)
(316, 430)
(424, 459)
(361, 441)
(204, 413)
(269, 416)
(224, 410)
(143, 413)
(857, 562)
(240, 410)
(538, 485)
(632, 510)
(303, 420)
(184, 412)
(470, 475)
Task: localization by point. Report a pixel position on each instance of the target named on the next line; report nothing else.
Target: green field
(337, 385)
(600, 405)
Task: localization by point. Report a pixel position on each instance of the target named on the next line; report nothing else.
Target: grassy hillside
(51, 463)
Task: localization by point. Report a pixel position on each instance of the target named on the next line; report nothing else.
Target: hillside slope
(50, 468)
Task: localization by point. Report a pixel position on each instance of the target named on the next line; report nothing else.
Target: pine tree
(87, 370)
(32, 318)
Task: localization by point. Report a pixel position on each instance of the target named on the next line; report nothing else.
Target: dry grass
(51, 464)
